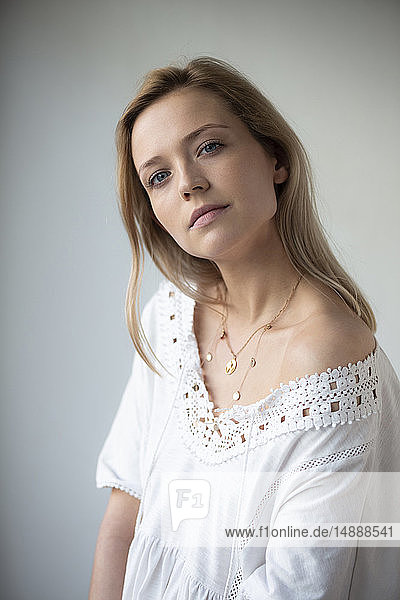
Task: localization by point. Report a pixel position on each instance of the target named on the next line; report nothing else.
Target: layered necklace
(232, 363)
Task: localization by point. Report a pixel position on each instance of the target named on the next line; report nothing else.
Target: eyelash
(155, 185)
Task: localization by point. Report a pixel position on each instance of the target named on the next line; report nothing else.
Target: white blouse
(306, 454)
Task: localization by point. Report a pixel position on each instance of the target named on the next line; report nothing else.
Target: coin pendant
(236, 396)
(253, 362)
(230, 366)
(209, 356)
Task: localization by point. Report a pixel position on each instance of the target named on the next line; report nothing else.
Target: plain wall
(68, 70)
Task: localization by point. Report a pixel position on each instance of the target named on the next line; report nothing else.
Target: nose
(191, 183)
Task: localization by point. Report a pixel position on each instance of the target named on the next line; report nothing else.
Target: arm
(119, 466)
(115, 536)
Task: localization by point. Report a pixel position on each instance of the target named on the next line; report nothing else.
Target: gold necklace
(231, 365)
(236, 395)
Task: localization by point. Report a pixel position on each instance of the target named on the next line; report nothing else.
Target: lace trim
(171, 328)
(333, 397)
(114, 484)
(235, 588)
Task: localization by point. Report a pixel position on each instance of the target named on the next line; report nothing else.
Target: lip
(198, 212)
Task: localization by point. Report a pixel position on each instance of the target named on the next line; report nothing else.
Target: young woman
(274, 398)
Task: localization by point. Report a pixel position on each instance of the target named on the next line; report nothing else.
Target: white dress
(293, 457)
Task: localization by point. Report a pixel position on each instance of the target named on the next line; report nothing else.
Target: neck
(259, 279)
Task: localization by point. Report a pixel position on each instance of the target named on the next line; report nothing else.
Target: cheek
(255, 182)
(168, 217)
(159, 211)
(244, 173)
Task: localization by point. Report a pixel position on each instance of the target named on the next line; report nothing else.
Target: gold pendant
(209, 356)
(230, 366)
(236, 396)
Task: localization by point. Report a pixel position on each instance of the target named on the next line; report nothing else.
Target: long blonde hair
(301, 231)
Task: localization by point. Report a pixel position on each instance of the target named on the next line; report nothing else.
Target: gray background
(68, 70)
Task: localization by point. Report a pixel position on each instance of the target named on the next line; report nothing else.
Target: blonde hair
(301, 231)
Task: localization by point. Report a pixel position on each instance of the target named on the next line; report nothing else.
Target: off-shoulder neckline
(276, 394)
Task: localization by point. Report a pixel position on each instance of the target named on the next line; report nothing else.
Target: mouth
(207, 217)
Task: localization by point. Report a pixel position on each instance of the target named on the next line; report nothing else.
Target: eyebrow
(187, 138)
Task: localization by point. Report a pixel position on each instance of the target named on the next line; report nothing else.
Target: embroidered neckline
(276, 394)
(335, 396)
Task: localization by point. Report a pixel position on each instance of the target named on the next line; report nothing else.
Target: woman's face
(220, 165)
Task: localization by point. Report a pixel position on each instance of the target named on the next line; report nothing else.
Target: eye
(150, 182)
(151, 179)
(211, 143)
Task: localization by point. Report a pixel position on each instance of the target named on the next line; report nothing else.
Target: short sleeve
(120, 462)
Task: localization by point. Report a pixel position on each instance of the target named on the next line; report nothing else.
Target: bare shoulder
(333, 335)
(327, 341)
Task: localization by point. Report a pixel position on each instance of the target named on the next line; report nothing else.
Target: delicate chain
(231, 365)
(252, 364)
(268, 325)
(213, 342)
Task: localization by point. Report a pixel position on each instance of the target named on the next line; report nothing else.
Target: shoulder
(152, 314)
(157, 300)
(329, 340)
(330, 335)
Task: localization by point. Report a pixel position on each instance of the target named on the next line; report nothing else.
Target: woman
(217, 186)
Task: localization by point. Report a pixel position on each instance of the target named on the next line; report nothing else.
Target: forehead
(172, 117)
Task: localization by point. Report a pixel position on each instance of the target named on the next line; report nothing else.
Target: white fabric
(271, 459)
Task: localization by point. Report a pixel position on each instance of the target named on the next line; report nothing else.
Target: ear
(281, 173)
